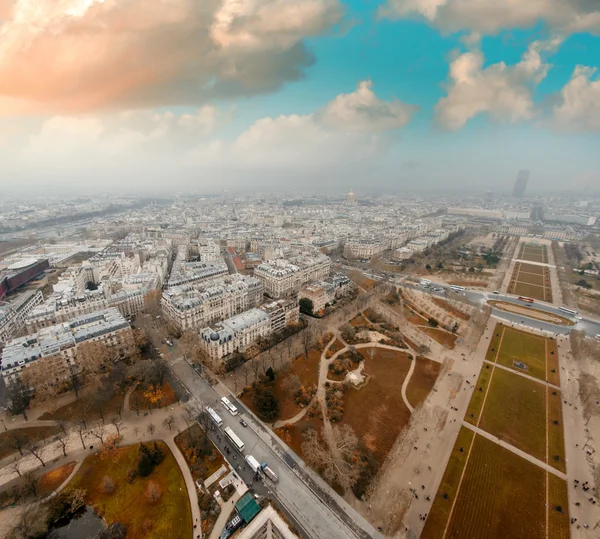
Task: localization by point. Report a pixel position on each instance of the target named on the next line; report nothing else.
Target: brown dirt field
(502, 495)
(358, 321)
(422, 380)
(469, 284)
(439, 335)
(452, 310)
(382, 397)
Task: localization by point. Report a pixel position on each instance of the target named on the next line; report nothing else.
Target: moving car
(243, 423)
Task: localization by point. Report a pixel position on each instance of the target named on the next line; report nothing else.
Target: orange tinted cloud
(82, 55)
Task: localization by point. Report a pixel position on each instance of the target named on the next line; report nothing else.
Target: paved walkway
(226, 510)
(515, 450)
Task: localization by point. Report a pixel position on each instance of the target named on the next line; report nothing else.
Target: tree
(433, 322)
(158, 371)
(107, 485)
(291, 384)
(306, 306)
(94, 357)
(266, 402)
(307, 340)
(15, 466)
(270, 374)
(428, 267)
(153, 492)
(18, 397)
(169, 421)
(154, 394)
(118, 424)
(455, 327)
(440, 265)
(38, 451)
(152, 303)
(424, 350)
(63, 439)
(348, 332)
(18, 441)
(80, 428)
(336, 457)
(151, 427)
(584, 284)
(145, 464)
(98, 432)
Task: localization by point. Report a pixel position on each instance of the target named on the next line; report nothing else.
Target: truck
(269, 472)
(253, 463)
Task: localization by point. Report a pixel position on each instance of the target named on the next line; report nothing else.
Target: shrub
(131, 475)
(153, 492)
(107, 485)
(145, 464)
(266, 402)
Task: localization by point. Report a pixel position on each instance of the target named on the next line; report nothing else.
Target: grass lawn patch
(141, 397)
(492, 350)
(552, 361)
(558, 508)
(336, 346)
(169, 516)
(474, 410)
(531, 278)
(502, 495)
(422, 380)
(202, 463)
(359, 321)
(11, 439)
(457, 313)
(448, 340)
(440, 511)
(53, 479)
(382, 397)
(526, 348)
(87, 405)
(515, 411)
(556, 439)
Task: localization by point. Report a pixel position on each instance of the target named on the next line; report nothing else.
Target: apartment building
(184, 272)
(283, 277)
(56, 347)
(363, 248)
(14, 314)
(235, 334)
(193, 306)
(323, 292)
(282, 313)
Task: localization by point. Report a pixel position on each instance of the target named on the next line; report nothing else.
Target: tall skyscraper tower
(521, 184)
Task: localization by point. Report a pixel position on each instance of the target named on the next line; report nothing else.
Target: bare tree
(151, 428)
(152, 303)
(38, 451)
(18, 441)
(94, 357)
(117, 423)
(169, 421)
(291, 384)
(235, 384)
(63, 426)
(80, 429)
(135, 401)
(254, 366)
(63, 439)
(246, 372)
(307, 340)
(15, 466)
(30, 482)
(136, 431)
(98, 432)
(335, 457)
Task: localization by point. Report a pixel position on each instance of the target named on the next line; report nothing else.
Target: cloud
(502, 92)
(578, 106)
(73, 56)
(491, 16)
(351, 129)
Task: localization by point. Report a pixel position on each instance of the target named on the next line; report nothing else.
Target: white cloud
(119, 54)
(579, 102)
(491, 16)
(502, 92)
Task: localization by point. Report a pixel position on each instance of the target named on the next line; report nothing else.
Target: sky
(293, 95)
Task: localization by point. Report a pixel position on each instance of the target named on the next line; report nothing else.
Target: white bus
(457, 288)
(213, 415)
(568, 311)
(239, 445)
(425, 282)
(230, 407)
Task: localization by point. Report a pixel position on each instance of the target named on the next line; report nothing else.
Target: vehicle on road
(598, 336)
(269, 472)
(214, 416)
(496, 292)
(253, 463)
(568, 311)
(230, 407)
(457, 288)
(425, 282)
(525, 299)
(243, 423)
(233, 438)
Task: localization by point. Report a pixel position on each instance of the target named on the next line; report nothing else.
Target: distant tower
(350, 200)
(521, 184)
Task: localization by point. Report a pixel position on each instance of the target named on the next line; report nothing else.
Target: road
(589, 326)
(318, 513)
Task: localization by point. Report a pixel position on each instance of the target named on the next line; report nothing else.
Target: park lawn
(515, 412)
(473, 412)
(8, 439)
(137, 399)
(86, 406)
(422, 380)
(525, 347)
(552, 361)
(170, 516)
(559, 522)
(556, 438)
(359, 321)
(442, 504)
(335, 346)
(209, 463)
(502, 495)
(531, 278)
(492, 350)
(537, 292)
(447, 340)
(457, 313)
(532, 268)
(382, 397)
(53, 479)
(293, 435)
